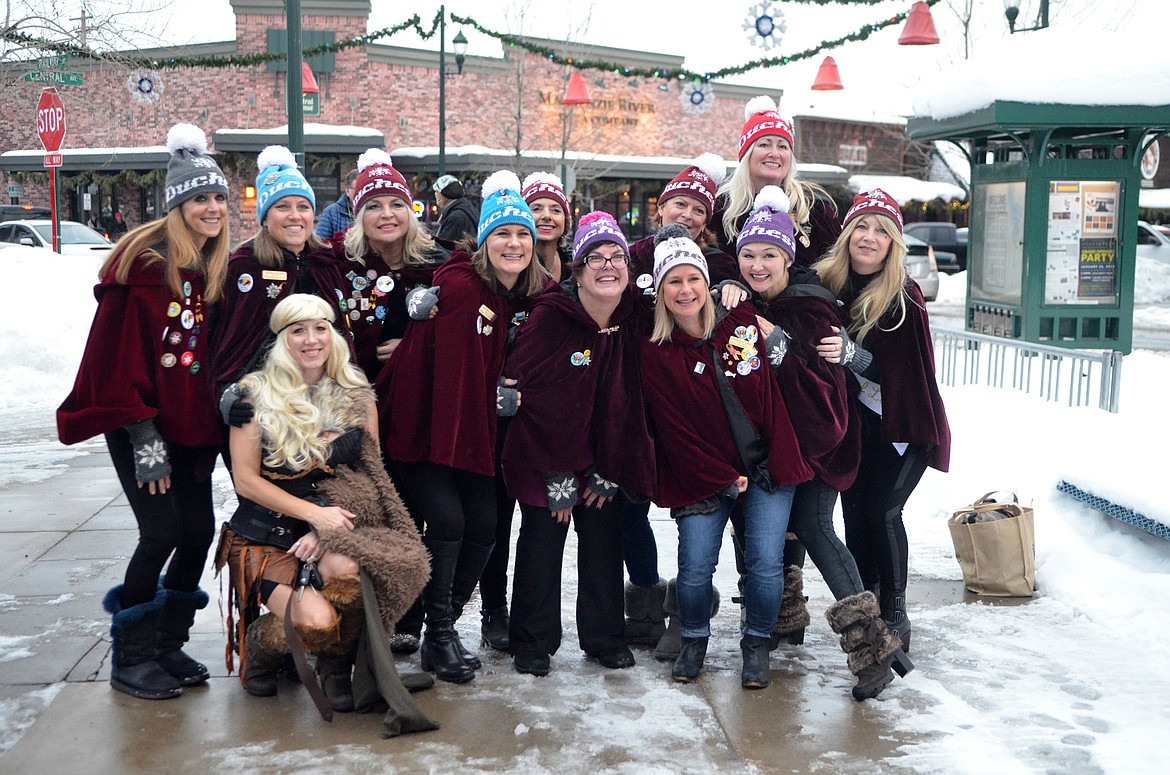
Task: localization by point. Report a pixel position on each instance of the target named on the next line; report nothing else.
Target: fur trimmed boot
(793, 617)
(494, 628)
(174, 627)
(670, 644)
(335, 663)
(688, 665)
(645, 613)
(873, 650)
(756, 672)
(134, 668)
(264, 649)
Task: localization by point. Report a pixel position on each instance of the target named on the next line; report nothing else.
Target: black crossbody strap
(752, 449)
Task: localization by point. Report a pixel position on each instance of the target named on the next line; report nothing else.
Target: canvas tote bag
(995, 544)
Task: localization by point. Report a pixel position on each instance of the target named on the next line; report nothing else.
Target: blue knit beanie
(278, 178)
(502, 205)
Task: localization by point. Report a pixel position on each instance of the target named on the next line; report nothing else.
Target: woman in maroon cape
(440, 397)
(577, 442)
(887, 346)
(384, 255)
(143, 383)
(722, 437)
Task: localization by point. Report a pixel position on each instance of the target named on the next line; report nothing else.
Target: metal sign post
(51, 130)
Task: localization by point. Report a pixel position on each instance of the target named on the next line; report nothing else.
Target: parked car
(77, 239)
(921, 266)
(1152, 243)
(1164, 228)
(944, 238)
(23, 212)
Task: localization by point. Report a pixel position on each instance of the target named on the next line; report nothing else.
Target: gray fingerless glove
(151, 461)
(421, 301)
(776, 346)
(562, 489)
(235, 410)
(602, 487)
(854, 357)
(507, 400)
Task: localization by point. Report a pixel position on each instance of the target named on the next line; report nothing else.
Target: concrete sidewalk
(66, 540)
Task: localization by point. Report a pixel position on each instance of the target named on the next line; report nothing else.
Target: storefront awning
(151, 157)
(324, 139)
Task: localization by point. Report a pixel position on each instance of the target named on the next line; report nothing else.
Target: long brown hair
(168, 240)
(268, 251)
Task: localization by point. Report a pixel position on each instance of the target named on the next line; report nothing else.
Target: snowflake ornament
(145, 87)
(697, 97)
(765, 25)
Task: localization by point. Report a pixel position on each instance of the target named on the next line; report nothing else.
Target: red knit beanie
(875, 201)
(544, 185)
(698, 181)
(761, 120)
(377, 177)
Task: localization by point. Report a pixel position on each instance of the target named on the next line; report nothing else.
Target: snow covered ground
(1070, 681)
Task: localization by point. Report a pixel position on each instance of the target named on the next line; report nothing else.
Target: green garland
(251, 60)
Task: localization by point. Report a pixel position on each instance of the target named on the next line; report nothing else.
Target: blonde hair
(292, 415)
(530, 282)
(416, 243)
(883, 298)
(664, 320)
(741, 196)
(169, 240)
(269, 252)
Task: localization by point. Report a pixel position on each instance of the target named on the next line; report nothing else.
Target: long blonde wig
(416, 243)
(292, 415)
(741, 196)
(169, 240)
(883, 301)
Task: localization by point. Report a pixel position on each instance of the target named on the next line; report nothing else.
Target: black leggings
(493, 584)
(449, 504)
(179, 524)
(872, 507)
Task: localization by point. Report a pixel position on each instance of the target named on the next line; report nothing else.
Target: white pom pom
(372, 157)
(713, 165)
(761, 104)
(542, 177)
(503, 180)
(276, 155)
(773, 197)
(186, 137)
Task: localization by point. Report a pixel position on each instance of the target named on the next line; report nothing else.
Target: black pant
(493, 584)
(447, 503)
(179, 525)
(536, 585)
(872, 507)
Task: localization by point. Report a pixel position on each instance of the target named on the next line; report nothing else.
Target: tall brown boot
(872, 648)
(335, 661)
(264, 650)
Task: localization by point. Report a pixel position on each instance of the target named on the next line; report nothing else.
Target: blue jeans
(699, 538)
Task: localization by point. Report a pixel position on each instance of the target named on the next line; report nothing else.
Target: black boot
(692, 652)
(265, 647)
(135, 670)
(894, 613)
(874, 651)
(440, 653)
(670, 644)
(457, 606)
(494, 629)
(756, 671)
(645, 613)
(174, 627)
(472, 560)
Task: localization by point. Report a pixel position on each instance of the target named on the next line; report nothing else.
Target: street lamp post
(296, 111)
(1011, 9)
(459, 44)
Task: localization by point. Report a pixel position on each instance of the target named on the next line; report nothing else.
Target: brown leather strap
(297, 649)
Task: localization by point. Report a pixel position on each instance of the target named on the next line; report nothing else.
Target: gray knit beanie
(190, 170)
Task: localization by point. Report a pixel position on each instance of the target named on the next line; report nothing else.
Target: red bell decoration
(919, 29)
(828, 79)
(577, 92)
(308, 82)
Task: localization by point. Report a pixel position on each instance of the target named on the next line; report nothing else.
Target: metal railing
(1079, 377)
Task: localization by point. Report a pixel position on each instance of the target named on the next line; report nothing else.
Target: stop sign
(51, 120)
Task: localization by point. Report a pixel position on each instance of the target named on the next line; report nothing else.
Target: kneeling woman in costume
(309, 451)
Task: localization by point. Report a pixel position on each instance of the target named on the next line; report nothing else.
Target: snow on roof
(1154, 199)
(328, 130)
(1065, 65)
(67, 152)
(905, 189)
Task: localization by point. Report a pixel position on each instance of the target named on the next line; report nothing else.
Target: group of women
(730, 369)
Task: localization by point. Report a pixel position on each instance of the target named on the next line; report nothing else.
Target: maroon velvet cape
(823, 223)
(252, 291)
(819, 394)
(720, 265)
(912, 408)
(123, 377)
(695, 453)
(437, 395)
(605, 427)
(378, 294)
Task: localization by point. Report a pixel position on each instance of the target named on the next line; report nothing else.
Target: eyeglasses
(597, 261)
